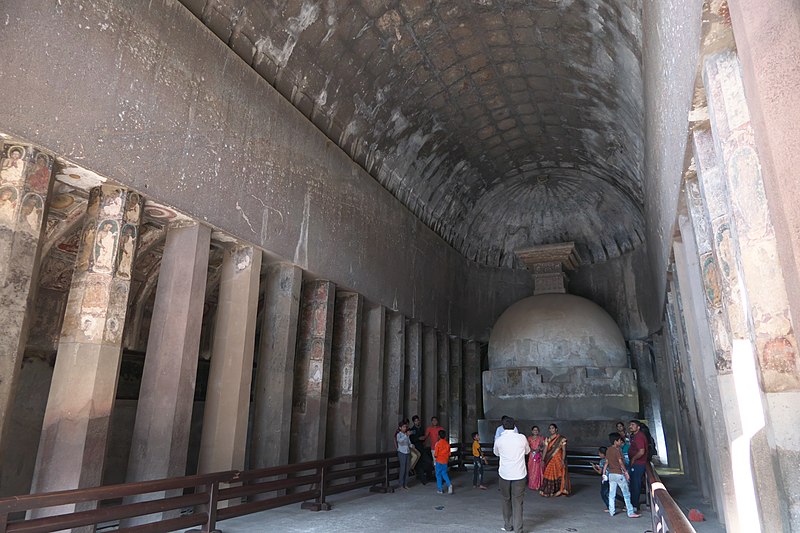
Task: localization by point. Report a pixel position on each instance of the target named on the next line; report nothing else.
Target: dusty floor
(421, 509)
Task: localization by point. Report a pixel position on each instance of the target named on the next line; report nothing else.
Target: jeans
(604, 492)
(614, 481)
(441, 474)
(477, 471)
(637, 481)
(404, 459)
(513, 493)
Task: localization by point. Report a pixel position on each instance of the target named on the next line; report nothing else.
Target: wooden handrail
(310, 483)
(666, 515)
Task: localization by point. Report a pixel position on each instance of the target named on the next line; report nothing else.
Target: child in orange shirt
(442, 454)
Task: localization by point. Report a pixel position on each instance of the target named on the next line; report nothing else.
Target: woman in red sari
(556, 478)
(536, 442)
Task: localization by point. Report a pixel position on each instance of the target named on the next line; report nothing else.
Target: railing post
(3, 522)
(323, 505)
(213, 495)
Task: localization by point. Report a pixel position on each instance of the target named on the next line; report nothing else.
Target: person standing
(478, 460)
(432, 434)
(511, 448)
(442, 456)
(403, 453)
(421, 464)
(618, 476)
(536, 442)
(638, 455)
(555, 476)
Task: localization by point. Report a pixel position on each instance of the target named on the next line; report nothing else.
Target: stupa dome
(556, 330)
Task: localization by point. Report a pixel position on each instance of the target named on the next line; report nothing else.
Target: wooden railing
(667, 516)
(243, 493)
(251, 491)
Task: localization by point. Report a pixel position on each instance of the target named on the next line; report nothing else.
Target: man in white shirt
(499, 430)
(511, 448)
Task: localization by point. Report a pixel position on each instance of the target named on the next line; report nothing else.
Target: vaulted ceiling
(501, 124)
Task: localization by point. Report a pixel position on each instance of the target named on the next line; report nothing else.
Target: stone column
(393, 374)
(472, 388)
(274, 374)
(345, 360)
(312, 370)
(370, 386)
(770, 333)
(76, 421)
(714, 331)
(687, 267)
(25, 177)
(456, 392)
(768, 41)
(443, 381)
(430, 406)
(160, 439)
(413, 379)
(227, 406)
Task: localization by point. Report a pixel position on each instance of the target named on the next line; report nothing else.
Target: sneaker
(634, 515)
(450, 489)
(439, 492)
(483, 487)
(504, 529)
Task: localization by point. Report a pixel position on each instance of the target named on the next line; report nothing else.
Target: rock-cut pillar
(312, 371)
(456, 390)
(345, 358)
(25, 174)
(413, 380)
(393, 375)
(370, 387)
(163, 416)
(227, 407)
(75, 428)
(429, 374)
(269, 445)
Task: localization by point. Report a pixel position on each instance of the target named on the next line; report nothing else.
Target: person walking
(442, 456)
(511, 448)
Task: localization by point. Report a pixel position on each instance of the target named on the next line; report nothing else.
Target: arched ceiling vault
(500, 123)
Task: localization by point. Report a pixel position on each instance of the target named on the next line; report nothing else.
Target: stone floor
(468, 509)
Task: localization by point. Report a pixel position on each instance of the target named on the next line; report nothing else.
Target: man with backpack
(639, 457)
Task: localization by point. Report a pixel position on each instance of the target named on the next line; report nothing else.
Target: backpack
(651, 443)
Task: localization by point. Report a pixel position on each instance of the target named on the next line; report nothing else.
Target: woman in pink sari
(536, 443)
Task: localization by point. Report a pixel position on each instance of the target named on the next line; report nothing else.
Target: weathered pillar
(312, 369)
(25, 176)
(75, 429)
(768, 41)
(701, 347)
(275, 371)
(443, 381)
(775, 443)
(714, 332)
(393, 374)
(370, 383)
(456, 391)
(345, 360)
(430, 378)
(472, 388)
(227, 406)
(160, 441)
(413, 379)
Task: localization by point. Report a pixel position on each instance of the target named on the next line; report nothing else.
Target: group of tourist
(423, 452)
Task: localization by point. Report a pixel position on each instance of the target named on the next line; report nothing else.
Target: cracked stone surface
(501, 124)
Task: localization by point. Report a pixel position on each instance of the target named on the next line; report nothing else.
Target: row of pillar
(735, 341)
(333, 376)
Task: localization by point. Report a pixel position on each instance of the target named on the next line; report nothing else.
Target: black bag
(651, 443)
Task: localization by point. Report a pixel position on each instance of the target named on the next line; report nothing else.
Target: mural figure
(12, 167)
(8, 203)
(112, 204)
(87, 244)
(31, 213)
(104, 247)
(127, 246)
(134, 208)
(39, 176)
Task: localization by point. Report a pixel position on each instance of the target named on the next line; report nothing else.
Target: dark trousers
(513, 492)
(477, 470)
(637, 482)
(604, 493)
(424, 468)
